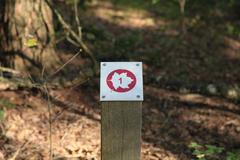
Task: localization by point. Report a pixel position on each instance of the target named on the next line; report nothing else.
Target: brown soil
(170, 122)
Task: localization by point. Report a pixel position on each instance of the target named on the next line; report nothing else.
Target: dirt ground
(171, 121)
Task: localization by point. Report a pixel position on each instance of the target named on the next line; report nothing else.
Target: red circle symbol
(121, 80)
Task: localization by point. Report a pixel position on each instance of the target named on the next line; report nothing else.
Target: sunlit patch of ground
(233, 48)
(125, 17)
(151, 152)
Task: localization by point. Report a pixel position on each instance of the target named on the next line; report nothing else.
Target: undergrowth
(212, 152)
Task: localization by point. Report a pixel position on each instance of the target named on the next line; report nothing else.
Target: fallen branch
(4, 69)
(72, 157)
(19, 149)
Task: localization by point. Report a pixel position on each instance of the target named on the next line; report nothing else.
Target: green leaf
(233, 155)
(155, 1)
(90, 36)
(6, 103)
(70, 2)
(31, 42)
(1, 115)
(194, 145)
(198, 153)
(213, 149)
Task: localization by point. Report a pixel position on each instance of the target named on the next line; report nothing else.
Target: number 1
(120, 79)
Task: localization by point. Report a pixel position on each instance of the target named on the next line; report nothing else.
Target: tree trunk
(27, 36)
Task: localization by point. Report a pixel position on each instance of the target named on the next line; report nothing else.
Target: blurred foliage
(127, 44)
(1, 115)
(234, 155)
(207, 152)
(5, 104)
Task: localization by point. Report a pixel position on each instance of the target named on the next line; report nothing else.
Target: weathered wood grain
(121, 130)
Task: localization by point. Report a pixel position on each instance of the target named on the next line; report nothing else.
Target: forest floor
(191, 91)
(171, 121)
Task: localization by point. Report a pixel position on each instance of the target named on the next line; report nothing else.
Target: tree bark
(23, 21)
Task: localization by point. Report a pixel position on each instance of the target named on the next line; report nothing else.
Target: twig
(4, 69)
(182, 4)
(73, 157)
(49, 120)
(69, 39)
(61, 67)
(19, 149)
(27, 81)
(77, 18)
(2, 128)
(43, 70)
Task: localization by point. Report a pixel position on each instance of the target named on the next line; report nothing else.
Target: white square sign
(121, 81)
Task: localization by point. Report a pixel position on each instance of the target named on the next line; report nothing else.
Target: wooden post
(121, 130)
(121, 93)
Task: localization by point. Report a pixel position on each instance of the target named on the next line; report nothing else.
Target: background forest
(49, 76)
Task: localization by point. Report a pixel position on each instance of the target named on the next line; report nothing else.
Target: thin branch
(69, 39)
(49, 120)
(182, 6)
(43, 71)
(27, 81)
(77, 18)
(4, 69)
(2, 128)
(74, 156)
(61, 67)
(19, 150)
(75, 36)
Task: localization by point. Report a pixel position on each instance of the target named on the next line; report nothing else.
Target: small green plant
(155, 1)
(1, 115)
(202, 152)
(235, 155)
(4, 103)
(205, 152)
(232, 29)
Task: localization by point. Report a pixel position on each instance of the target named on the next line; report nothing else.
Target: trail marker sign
(121, 81)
